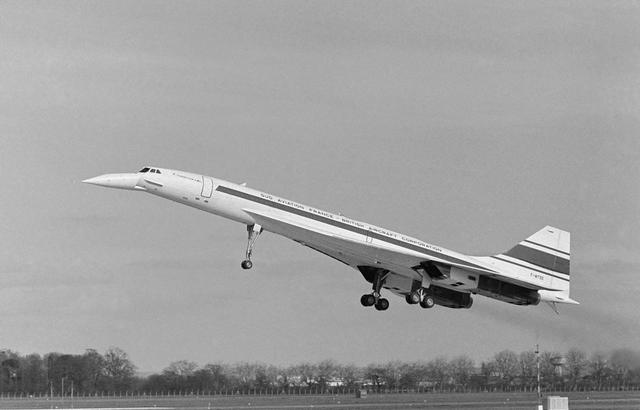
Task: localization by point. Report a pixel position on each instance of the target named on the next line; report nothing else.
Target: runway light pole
(538, 375)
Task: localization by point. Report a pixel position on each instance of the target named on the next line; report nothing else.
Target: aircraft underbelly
(346, 246)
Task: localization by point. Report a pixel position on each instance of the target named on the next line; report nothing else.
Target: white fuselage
(356, 241)
(231, 201)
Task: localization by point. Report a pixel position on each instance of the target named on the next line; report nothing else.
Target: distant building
(336, 382)
(558, 363)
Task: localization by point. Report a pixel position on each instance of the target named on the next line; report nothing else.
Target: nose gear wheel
(368, 300)
(382, 304)
(253, 231)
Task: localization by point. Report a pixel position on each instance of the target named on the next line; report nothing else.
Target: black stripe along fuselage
(346, 226)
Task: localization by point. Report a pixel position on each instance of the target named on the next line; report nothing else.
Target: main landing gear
(374, 299)
(253, 231)
(421, 296)
(427, 302)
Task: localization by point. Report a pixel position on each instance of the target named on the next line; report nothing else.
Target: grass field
(478, 401)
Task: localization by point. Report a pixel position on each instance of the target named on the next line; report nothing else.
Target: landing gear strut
(253, 231)
(374, 299)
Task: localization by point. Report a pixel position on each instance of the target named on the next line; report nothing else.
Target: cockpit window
(145, 169)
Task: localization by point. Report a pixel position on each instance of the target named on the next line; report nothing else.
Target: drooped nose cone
(120, 181)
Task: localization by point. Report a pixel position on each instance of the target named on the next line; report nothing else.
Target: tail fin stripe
(529, 267)
(539, 258)
(547, 247)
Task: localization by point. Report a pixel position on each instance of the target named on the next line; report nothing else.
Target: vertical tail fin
(549, 248)
(549, 252)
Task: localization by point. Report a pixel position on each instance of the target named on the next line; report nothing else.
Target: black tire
(246, 264)
(412, 298)
(427, 302)
(367, 300)
(383, 304)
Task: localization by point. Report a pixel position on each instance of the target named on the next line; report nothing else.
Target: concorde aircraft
(535, 270)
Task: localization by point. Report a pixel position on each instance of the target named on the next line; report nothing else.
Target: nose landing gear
(383, 304)
(253, 231)
(374, 299)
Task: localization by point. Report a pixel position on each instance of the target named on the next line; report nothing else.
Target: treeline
(56, 373)
(93, 373)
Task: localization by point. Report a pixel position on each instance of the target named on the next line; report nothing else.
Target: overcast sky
(467, 125)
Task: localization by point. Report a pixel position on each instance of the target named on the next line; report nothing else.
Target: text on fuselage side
(537, 276)
(351, 222)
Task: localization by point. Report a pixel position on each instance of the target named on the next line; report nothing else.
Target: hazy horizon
(630, 353)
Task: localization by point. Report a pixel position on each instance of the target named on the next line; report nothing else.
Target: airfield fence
(297, 391)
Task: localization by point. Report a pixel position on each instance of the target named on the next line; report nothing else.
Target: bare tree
(377, 373)
(244, 374)
(576, 364)
(486, 373)
(181, 368)
(34, 373)
(302, 374)
(625, 364)
(439, 372)
(462, 368)
(349, 374)
(272, 373)
(505, 364)
(410, 375)
(548, 368)
(393, 370)
(118, 368)
(600, 369)
(10, 373)
(91, 369)
(528, 368)
(177, 374)
(215, 377)
(326, 370)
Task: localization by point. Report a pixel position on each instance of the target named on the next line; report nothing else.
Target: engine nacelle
(450, 298)
(507, 292)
